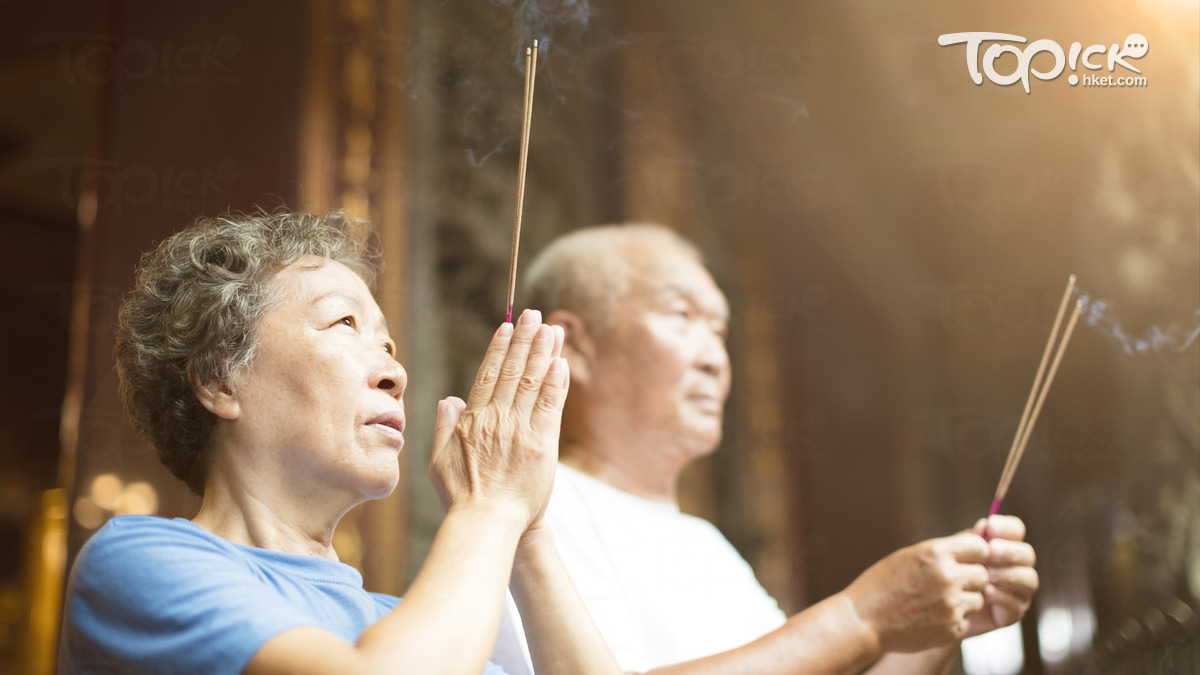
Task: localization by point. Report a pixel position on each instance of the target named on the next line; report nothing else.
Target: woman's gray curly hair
(196, 305)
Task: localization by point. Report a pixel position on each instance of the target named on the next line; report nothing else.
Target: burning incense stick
(1037, 396)
(531, 54)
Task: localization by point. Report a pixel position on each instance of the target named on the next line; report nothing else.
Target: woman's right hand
(499, 448)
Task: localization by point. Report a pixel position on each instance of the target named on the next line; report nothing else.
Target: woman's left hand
(498, 450)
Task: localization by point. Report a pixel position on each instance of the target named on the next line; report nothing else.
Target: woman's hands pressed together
(498, 450)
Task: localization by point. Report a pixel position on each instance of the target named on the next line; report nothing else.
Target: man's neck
(649, 476)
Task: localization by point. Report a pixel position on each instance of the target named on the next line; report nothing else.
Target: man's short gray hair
(586, 271)
(197, 302)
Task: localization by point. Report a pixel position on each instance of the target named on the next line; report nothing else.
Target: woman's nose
(391, 378)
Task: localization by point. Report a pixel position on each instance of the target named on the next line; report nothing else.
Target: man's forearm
(829, 637)
(561, 634)
(929, 662)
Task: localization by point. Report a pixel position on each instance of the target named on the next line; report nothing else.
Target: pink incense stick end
(508, 317)
(994, 510)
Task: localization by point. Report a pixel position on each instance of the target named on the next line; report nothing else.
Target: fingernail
(529, 317)
(557, 365)
(441, 407)
(506, 330)
(544, 333)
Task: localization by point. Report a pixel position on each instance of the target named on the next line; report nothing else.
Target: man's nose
(713, 358)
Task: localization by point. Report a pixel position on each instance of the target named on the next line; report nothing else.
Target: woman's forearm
(450, 615)
(561, 634)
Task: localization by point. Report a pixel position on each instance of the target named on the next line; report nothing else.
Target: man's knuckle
(1030, 554)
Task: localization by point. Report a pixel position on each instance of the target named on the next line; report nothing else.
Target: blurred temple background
(892, 237)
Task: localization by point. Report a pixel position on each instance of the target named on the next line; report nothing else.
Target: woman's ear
(216, 397)
(578, 346)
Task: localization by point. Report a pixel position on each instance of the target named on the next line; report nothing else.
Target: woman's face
(321, 400)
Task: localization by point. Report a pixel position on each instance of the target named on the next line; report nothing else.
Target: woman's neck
(267, 516)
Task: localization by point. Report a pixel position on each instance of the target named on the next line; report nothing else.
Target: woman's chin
(383, 482)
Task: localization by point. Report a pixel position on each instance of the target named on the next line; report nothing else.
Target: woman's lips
(391, 424)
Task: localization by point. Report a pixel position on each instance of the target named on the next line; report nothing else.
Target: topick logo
(1134, 47)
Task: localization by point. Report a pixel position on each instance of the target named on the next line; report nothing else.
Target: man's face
(662, 367)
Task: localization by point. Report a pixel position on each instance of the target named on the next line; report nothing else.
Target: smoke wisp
(1099, 315)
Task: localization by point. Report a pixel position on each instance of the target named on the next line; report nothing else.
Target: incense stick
(531, 54)
(1037, 396)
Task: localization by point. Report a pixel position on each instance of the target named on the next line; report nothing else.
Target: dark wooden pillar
(202, 115)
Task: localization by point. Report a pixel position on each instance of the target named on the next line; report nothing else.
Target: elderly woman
(253, 357)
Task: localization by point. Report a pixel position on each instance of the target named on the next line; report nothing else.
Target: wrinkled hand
(921, 596)
(1012, 581)
(499, 449)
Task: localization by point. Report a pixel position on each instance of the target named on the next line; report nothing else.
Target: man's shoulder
(585, 512)
(574, 489)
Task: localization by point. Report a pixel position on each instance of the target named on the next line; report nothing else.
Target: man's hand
(921, 596)
(1012, 581)
(500, 448)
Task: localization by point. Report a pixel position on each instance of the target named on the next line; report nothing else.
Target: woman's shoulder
(141, 530)
(140, 544)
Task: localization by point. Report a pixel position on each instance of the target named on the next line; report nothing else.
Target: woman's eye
(390, 348)
(346, 321)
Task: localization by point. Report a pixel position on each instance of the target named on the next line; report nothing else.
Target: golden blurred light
(46, 566)
(54, 506)
(106, 490)
(347, 541)
(87, 513)
(138, 499)
(54, 512)
(1171, 4)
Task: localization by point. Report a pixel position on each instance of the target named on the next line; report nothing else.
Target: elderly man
(645, 339)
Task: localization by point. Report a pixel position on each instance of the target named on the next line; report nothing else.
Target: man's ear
(578, 345)
(216, 397)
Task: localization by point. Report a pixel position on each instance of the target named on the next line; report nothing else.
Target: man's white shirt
(663, 587)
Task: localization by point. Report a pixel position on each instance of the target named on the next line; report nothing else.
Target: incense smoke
(478, 161)
(1099, 315)
(549, 22)
(541, 19)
